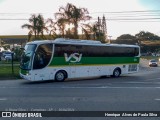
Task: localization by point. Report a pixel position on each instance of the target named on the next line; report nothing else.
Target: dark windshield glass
(153, 60)
(42, 56)
(27, 56)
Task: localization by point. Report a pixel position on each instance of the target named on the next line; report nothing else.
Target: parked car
(8, 57)
(153, 63)
(4, 53)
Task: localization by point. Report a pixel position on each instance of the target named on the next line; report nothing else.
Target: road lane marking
(143, 82)
(152, 79)
(105, 87)
(157, 99)
(3, 99)
(82, 87)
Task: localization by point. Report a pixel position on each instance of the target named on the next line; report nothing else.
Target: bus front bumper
(26, 77)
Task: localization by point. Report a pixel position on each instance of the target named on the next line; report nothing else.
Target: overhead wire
(119, 16)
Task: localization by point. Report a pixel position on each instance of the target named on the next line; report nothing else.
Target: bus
(62, 59)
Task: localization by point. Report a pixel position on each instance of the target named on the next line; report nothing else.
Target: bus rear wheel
(116, 72)
(60, 76)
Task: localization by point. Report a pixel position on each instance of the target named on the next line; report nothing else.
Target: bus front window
(42, 56)
(27, 57)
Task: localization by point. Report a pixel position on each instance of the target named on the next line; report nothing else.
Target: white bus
(68, 58)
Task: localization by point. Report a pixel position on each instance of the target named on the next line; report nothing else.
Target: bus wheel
(116, 72)
(60, 76)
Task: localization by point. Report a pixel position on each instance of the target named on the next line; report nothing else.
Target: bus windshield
(27, 56)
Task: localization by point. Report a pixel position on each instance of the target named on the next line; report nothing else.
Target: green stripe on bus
(60, 61)
(77, 65)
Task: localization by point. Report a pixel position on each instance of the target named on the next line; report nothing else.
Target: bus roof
(78, 42)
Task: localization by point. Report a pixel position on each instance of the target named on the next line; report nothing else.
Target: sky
(123, 16)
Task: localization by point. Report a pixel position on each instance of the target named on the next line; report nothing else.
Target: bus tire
(116, 72)
(60, 76)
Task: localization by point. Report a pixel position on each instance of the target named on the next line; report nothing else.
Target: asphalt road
(134, 92)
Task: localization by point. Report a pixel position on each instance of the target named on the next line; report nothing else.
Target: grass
(13, 36)
(150, 57)
(6, 72)
(151, 43)
(8, 62)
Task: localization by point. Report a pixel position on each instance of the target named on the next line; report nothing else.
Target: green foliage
(18, 54)
(126, 37)
(125, 41)
(148, 42)
(149, 57)
(36, 26)
(142, 35)
(148, 48)
(75, 15)
(69, 14)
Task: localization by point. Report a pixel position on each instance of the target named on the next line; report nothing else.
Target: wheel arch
(113, 73)
(64, 71)
(118, 68)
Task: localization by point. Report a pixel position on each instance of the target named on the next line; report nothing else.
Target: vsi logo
(75, 57)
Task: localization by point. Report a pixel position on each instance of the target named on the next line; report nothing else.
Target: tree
(72, 15)
(41, 27)
(63, 18)
(1, 42)
(78, 15)
(33, 20)
(52, 28)
(37, 25)
(29, 36)
(95, 30)
(90, 29)
(61, 23)
(142, 35)
(127, 39)
(86, 33)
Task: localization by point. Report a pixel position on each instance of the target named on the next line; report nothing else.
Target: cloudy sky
(123, 16)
